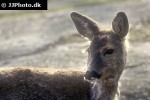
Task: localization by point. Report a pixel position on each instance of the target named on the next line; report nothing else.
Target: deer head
(106, 52)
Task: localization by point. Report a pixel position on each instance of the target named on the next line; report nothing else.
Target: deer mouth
(92, 75)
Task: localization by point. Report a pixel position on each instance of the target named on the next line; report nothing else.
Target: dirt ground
(49, 39)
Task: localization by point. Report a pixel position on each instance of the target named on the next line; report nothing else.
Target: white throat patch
(96, 90)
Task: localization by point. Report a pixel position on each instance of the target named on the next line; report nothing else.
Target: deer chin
(93, 80)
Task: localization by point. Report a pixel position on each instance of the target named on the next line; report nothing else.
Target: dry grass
(141, 31)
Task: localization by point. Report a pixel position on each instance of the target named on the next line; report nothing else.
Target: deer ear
(120, 24)
(87, 27)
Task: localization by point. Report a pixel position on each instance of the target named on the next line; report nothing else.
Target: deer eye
(108, 51)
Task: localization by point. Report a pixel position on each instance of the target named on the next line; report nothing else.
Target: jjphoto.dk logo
(37, 4)
(3, 5)
(23, 5)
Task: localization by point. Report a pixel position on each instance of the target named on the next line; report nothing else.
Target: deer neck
(100, 91)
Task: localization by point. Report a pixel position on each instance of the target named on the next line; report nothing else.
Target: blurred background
(48, 39)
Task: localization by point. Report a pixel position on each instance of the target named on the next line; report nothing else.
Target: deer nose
(90, 75)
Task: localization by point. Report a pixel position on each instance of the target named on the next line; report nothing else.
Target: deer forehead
(104, 40)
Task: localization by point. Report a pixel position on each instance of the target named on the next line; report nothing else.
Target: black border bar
(23, 5)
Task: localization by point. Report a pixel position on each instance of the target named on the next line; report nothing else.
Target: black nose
(92, 74)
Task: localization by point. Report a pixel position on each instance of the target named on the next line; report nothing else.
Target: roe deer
(106, 61)
(106, 54)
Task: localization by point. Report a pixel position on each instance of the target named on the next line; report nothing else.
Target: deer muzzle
(91, 75)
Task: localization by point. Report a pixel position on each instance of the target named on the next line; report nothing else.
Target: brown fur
(27, 84)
